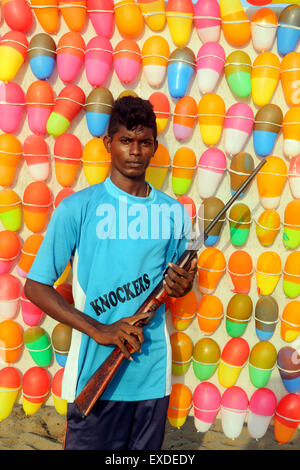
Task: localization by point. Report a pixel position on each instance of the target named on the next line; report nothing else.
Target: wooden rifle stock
(104, 374)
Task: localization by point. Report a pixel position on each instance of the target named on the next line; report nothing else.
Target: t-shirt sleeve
(57, 247)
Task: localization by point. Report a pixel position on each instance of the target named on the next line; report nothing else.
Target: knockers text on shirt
(122, 294)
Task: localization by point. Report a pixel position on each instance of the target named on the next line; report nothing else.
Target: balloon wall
(223, 78)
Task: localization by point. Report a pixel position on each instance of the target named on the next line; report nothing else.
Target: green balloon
(235, 329)
(203, 371)
(57, 124)
(259, 377)
(37, 342)
(240, 83)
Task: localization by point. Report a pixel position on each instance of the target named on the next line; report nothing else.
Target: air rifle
(106, 371)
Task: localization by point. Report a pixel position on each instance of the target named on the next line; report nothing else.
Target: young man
(121, 236)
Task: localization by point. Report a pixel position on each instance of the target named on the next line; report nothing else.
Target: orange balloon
(179, 404)
(183, 310)
(11, 341)
(211, 267)
(209, 313)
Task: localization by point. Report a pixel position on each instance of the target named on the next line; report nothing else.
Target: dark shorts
(118, 425)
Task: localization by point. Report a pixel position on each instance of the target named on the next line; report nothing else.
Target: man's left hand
(178, 281)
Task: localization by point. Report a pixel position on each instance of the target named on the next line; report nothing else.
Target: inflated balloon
(38, 344)
(234, 405)
(262, 360)
(29, 251)
(211, 115)
(179, 14)
(262, 406)
(288, 361)
(154, 13)
(42, 55)
(291, 132)
(99, 104)
(293, 176)
(129, 19)
(17, 15)
(10, 385)
(10, 156)
(271, 180)
(74, 13)
(39, 103)
(63, 277)
(158, 167)
(183, 169)
(31, 313)
(67, 156)
(268, 226)
(10, 210)
(265, 77)
(235, 23)
(290, 76)
(95, 161)
(206, 357)
(238, 124)
(70, 56)
(65, 290)
(208, 210)
(264, 25)
(37, 202)
(127, 60)
(37, 157)
(240, 269)
(184, 117)
(10, 290)
(241, 166)
(210, 172)
(290, 323)
(238, 73)
(46, 12)
(239, 223)
(12, 105)
(210, 65)
(183, 310)
(206, 404)
(68, 105)
(10, 247)
(266, 317)
(291, 226)
(102, 16)
(60, 404)
(268, 272)
(288, 33)
(13, 52)
(211, 267)
(98, 60)
(238, 314)
(161, 108)
(155, 54)
(11, 341)
(180, 70)
(287, 417)
(189, 205)
(233, 358)
(209, 313)
(61, 341)
(207, 20)
(180, 404)
(62, 194)
(267, 125)
(182, 350)
(291, 275)
(36, 386)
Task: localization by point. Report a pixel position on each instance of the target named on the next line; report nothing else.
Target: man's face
(131, 150)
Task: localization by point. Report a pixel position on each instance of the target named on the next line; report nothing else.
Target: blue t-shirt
(119, 246)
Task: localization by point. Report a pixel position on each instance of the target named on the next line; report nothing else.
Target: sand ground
(45, 431)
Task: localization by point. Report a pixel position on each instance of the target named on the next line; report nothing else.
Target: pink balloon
(263, 402)
(98, 60)
(235, 398)
(12, 105)
(206, 399)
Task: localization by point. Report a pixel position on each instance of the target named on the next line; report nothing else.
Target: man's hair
(131, 112)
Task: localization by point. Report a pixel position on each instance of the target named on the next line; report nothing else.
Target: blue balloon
(61, 359)
(287, 39)
(264, 335)
(42, 67)
(264, 142)
(179, 76)
(97, 123)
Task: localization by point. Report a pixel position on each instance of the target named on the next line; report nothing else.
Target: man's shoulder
(164, 198)
(84, 196)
